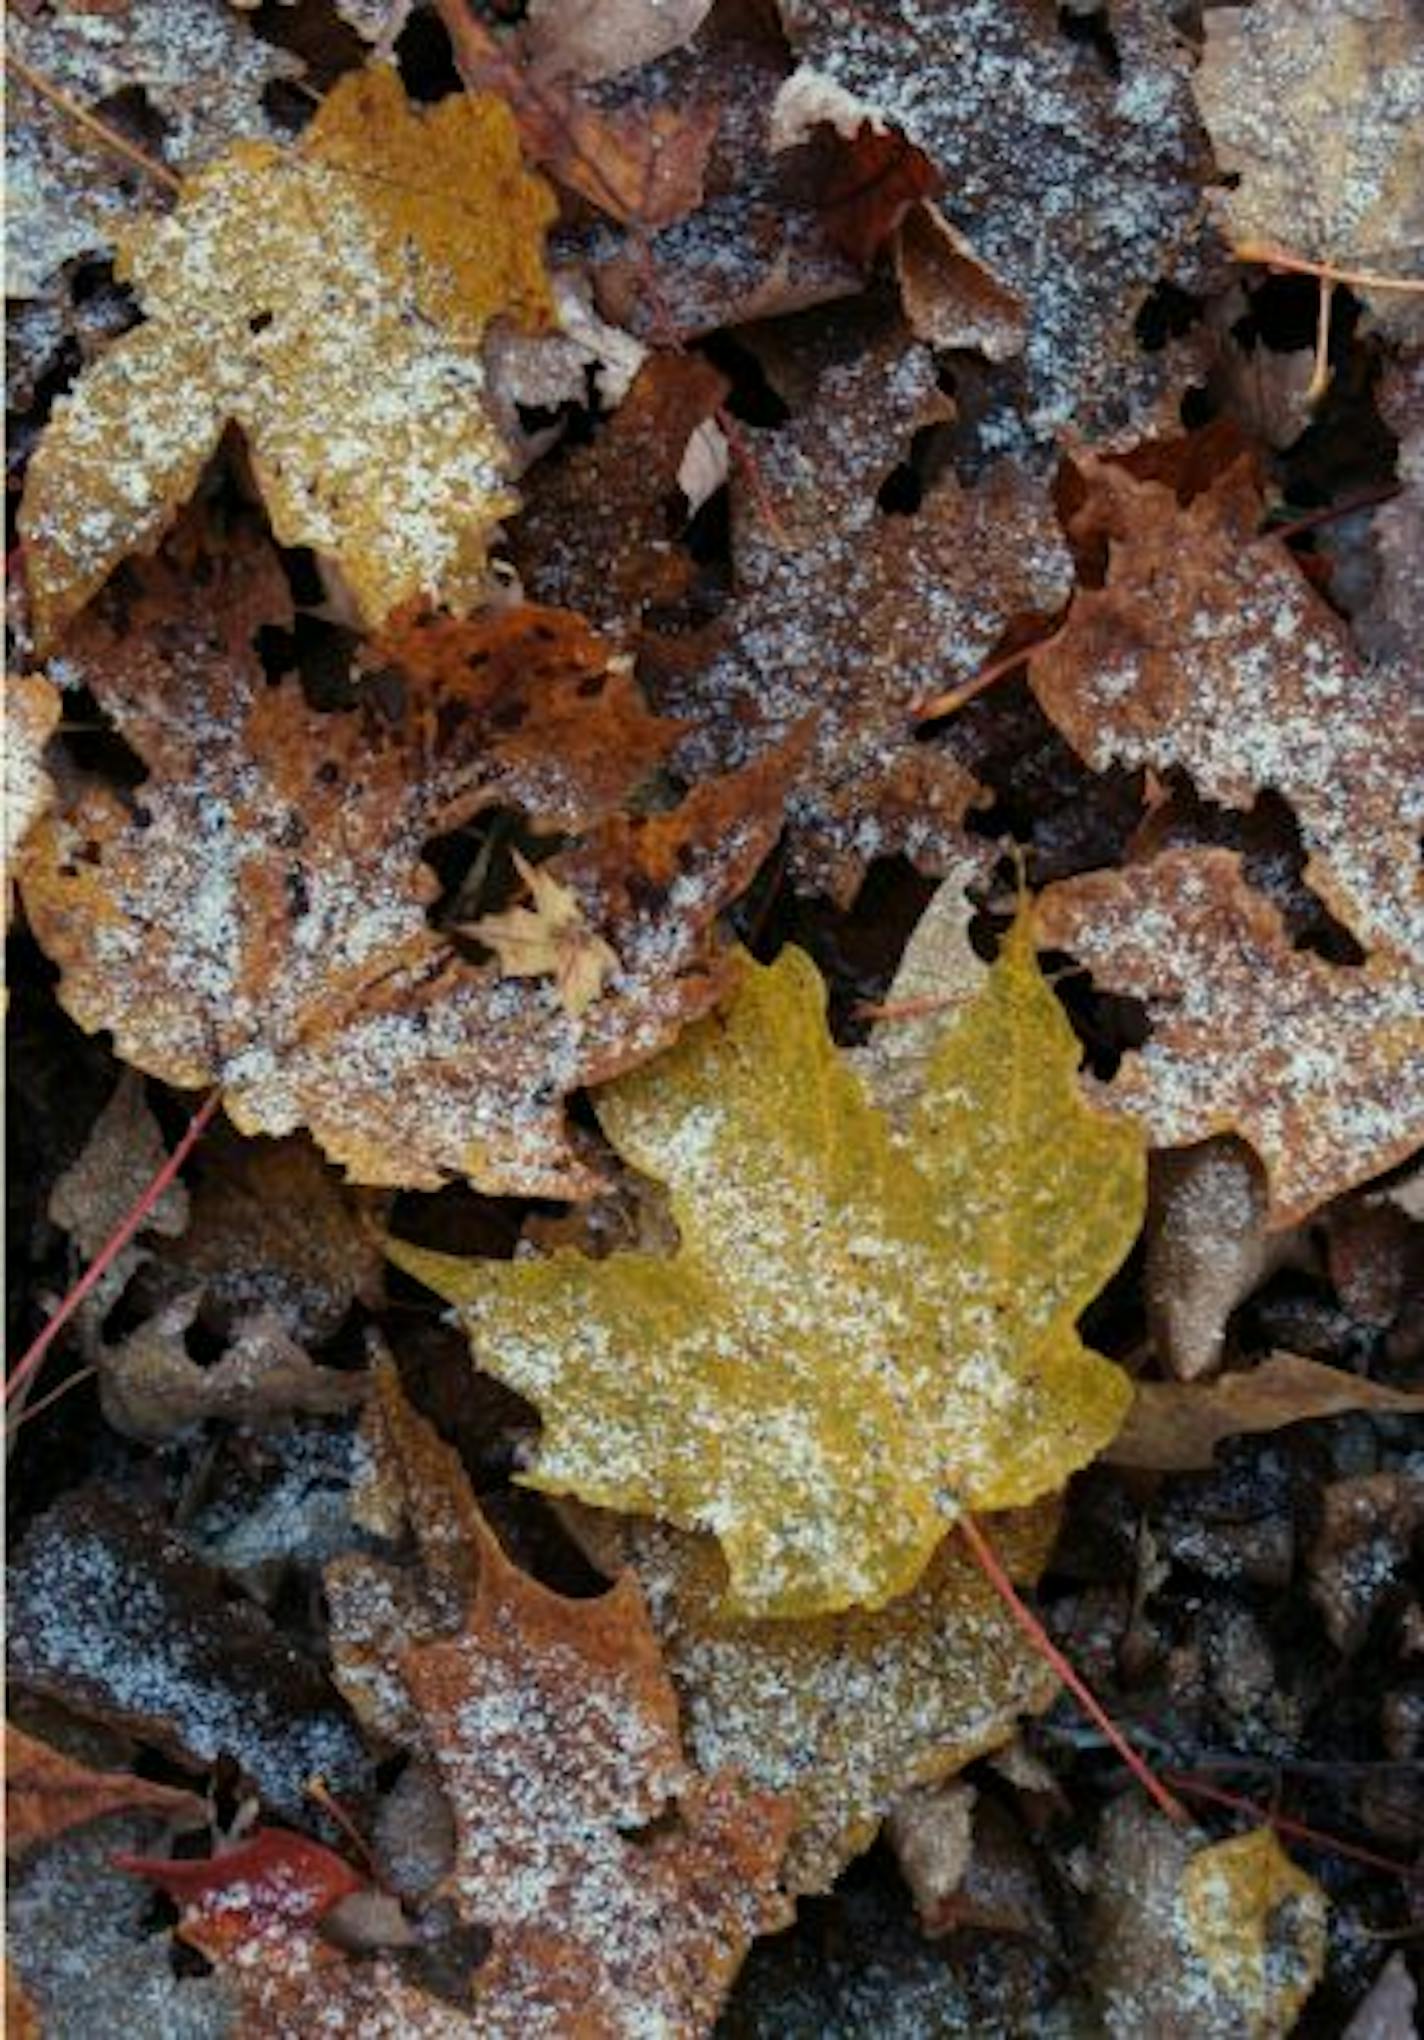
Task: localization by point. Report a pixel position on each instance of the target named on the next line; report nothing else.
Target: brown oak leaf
(1207, 649)
(256, 915)
(847, 616)
(1319, 1066)
(47, 1792)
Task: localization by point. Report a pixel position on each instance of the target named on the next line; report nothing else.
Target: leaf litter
(897, 401)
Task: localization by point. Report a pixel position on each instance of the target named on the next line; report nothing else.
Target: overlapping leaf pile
(521, 589)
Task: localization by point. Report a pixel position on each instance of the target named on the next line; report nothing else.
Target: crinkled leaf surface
(841, 1712)
(1076, 185)
(259, 918)
(858, 1339)
(847, 617)
(330, 300)
(1321, 121)
(1208, 649)
(1319, 1066)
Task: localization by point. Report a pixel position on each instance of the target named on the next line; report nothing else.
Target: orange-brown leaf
(47, 1792)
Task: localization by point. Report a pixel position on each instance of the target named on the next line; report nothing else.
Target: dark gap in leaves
(287, 107)
(662, 1827)
(303, 576)
(901, 492)
(424, 58)
(708, 537)
(132, 114)
(444, 1963)
(186, 1961)
(1283, 313)
(96, 747)
(1197, 408)
(1091, 29)
(326, 45)
(1108, 1024)
(1166, 314)
(477, 873)
(752, 397)
(276, 647)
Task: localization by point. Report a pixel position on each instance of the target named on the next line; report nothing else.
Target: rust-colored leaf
(47, 1792)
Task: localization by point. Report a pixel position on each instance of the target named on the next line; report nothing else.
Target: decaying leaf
(1362, 1553)
(591, 39)
(121, 1157)
(858, 1339)
(329, 299)
(150, 1388)
(1207, 1248)
(1075, 186)
(202, 74)
(1319, 1066)
(1175, 1427)
(847, 617)
(111, 1614)
(839, 1712)
(259, 919)
(1209, 650)
(1393, 623)
(31, 706)
(548, 938)
(47, 1792)
(1321, 123)
(1201, 1942)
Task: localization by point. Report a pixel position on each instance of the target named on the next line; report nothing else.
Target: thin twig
(992, 1566)
(1271, 257)
(1330, 512)
(1298, 1831)
(26, 1368)
(53, 1395)
(109, 137)
(955, 698)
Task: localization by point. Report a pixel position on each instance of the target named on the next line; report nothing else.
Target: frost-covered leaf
(846, 617)
(1207, 649)
(1319, 1066)
(1320, 121)
(330, 300)
(1393, 623)
(112, 1615)
(857, 1340)
(1201, 1941)
(200, 71)
(259, 918)
(1175, 1426)
(31, 706)
(592, 39)
(1207, 1248)
(1077, 185)
(124, 1152)
(548, 938)
(840, 1712)
(47, 1792)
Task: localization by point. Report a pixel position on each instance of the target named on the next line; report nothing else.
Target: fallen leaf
(1258, 1924)
(1392, 625)
(1201, 1941)
(938, 976)
(67, 195)
(1175, 1427)
(112, 1615)
(150, 1389)
(876, 178)
(858, 1340)
(950, 298)
(32, 709)
(47, 1792)
(260, 919)
(838, 1712)
(272, 1875)
(1362, 1554)
(124, 1152)
(1319, 1066)
(549, 938)
(1208, 650)
(330, 300)
(1207, 1248)
(1321, 128)
(1076, 186)
(932, 1834)
(847, 617)
(591, 39)
(1387, 2012)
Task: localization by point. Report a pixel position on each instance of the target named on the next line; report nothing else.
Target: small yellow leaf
(1258, 1923)
(551, 938)
(330, 300)
(860, 1337)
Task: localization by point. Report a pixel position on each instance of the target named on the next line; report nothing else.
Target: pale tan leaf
(1175, 1427)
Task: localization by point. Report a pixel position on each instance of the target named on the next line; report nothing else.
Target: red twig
(1296, 1829)
(25, 1370)
(992, 1566)
(1314, 518)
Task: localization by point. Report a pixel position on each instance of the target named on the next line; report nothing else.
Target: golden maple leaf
(1258, 1924)
(860, 1337)
(330, 300)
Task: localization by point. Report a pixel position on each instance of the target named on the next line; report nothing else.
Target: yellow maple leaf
(860, 1336)
(1258, 1924)
(329, 299)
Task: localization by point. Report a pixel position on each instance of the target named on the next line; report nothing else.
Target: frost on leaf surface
(258, 918)
(847, 617)
(1320, 120)
(1207, 649)
(858, 1339)
(1077, 188)
(1319, 1066)
(841, 1712)
(30, 709)
(200, 69)
(330, 300)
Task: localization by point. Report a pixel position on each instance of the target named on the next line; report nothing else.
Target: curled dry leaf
(150, 1389)
(1207, 1248)
(846, 617)
(330, 299)
(1321, 123)
(1076, 187)
(112, 1615)
(1201, 1942)
(1175, 1427)
(259, 918)
(47, 1792)
(1208, 649)
(858, 1339)
(839, 1712)
(1319, 1066)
